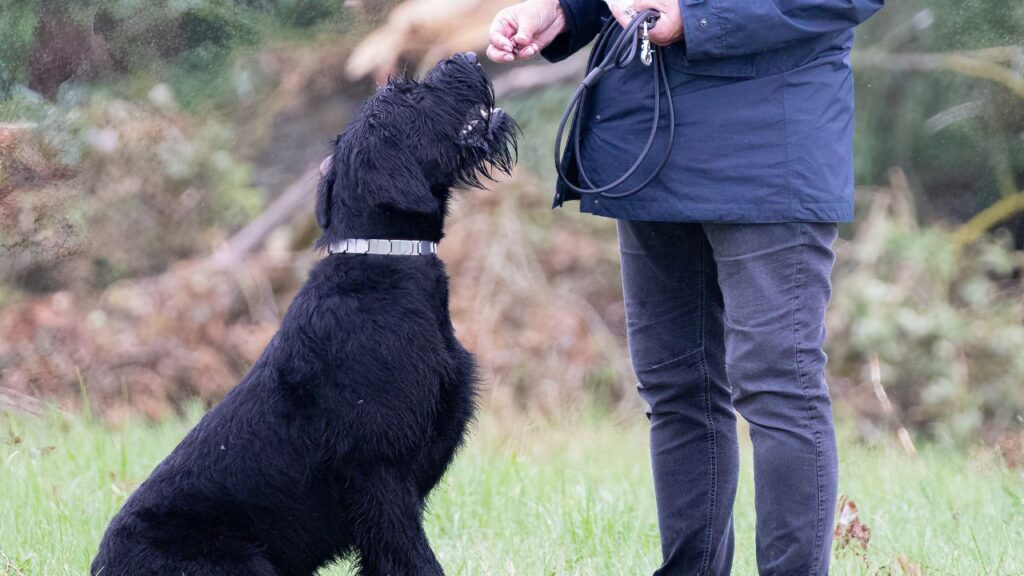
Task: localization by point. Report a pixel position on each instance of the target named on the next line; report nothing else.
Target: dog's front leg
(387, 514)
(457, 409)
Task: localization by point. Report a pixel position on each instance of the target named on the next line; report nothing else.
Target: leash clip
(646, 54)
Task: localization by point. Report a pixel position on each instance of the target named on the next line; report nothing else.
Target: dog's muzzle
(488, 122)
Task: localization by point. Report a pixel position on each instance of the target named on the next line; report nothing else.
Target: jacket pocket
(738, 67)
(778, 61)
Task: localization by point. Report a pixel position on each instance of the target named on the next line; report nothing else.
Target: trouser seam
(797, 286)
(672, 361)
(709, 420)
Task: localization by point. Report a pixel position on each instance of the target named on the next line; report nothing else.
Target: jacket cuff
(582, 23)
(562, 46)
(703, 31)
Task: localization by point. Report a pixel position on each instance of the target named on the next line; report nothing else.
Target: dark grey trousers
(725, 317)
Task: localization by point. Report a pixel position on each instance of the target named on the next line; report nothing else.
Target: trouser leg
(674, 321)
(775, 283)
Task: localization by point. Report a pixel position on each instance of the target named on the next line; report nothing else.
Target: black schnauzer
(330, 445)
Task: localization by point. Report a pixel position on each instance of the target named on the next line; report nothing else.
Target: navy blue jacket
(763, 92)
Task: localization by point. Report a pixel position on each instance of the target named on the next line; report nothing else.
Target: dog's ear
(325, 190)
(323, 195)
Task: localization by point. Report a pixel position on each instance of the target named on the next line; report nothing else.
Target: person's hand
(521, 31)
(669, 28)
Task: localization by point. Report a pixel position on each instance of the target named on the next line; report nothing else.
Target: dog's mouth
(482, 123)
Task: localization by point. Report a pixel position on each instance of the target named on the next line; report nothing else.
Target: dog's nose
(470, 56)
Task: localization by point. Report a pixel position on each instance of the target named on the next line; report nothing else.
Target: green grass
(528, 499)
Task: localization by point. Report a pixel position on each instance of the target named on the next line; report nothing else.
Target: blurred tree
(954, 124)
(49, 42)
(17, 28)
(122, 134)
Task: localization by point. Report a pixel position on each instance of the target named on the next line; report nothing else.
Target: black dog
(331, 443)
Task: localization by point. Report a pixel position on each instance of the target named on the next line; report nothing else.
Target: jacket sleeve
(727, 28)
(583, 20)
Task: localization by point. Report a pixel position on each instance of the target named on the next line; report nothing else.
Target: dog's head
(393, 169)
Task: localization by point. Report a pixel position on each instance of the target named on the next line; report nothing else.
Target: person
(726, 254)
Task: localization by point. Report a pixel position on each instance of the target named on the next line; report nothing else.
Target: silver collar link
(383, 247)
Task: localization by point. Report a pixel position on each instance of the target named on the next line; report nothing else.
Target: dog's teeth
(470, 127)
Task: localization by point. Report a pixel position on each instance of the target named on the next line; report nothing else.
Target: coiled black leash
(633, 41)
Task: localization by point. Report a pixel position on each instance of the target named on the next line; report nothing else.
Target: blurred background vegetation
(157, 160)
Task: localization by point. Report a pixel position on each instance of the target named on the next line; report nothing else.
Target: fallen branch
(906, 442)
(13, 401)
(280, 211)
(1005, 208)
(992, 64)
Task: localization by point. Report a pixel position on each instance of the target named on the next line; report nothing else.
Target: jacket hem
(720, 213)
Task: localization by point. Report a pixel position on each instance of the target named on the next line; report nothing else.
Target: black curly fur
(330, 445)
